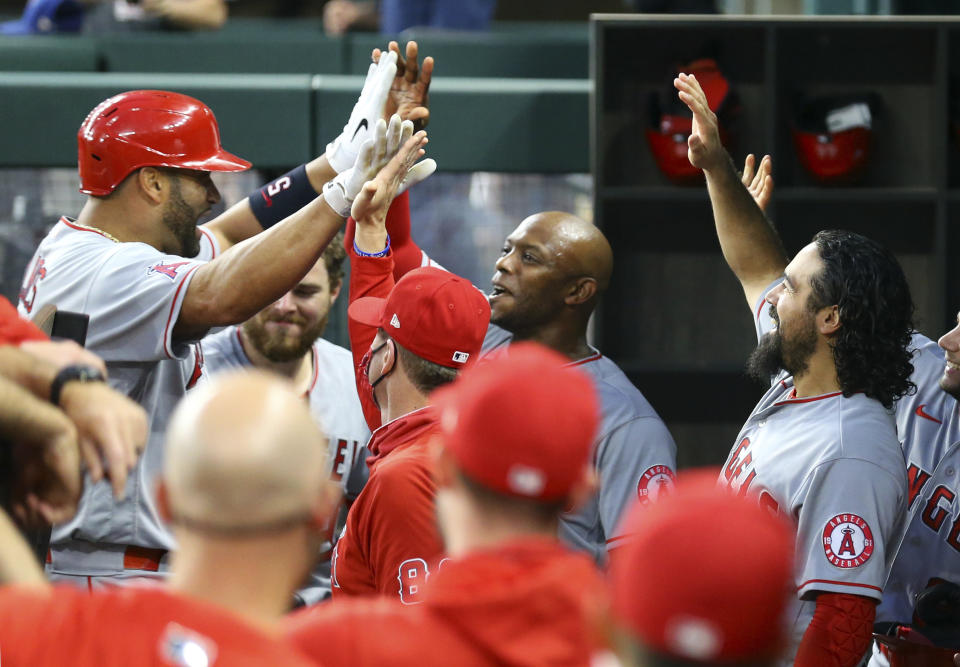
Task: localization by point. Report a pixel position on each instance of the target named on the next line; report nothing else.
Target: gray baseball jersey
(634, 455)
(133, 294)
(832, 464)
(334, 404)
(928, 423)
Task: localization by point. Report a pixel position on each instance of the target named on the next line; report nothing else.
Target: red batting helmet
(148, 128)
(832, 135)
(671, 121)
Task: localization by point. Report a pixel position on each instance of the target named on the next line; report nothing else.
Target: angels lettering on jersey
(939, 507)
(740, 467)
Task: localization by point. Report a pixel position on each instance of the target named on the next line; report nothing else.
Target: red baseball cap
(704, 574)
(522, 424)
(436, 315)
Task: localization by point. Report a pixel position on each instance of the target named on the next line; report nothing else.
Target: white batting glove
(417, 173)
(342, 152)
(373, 155)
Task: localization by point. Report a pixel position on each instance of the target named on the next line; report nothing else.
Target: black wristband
(282, 197)
(78, 373)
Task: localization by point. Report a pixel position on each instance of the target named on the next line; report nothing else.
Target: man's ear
(828, 320)
(163, 502)
(152, 184)
(335, 291)
(581, 291)
(390, 357)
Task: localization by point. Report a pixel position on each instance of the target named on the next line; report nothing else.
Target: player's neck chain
(97, 230)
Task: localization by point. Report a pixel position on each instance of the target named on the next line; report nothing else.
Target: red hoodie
(530, 602)
(391, 540)
(147, 627)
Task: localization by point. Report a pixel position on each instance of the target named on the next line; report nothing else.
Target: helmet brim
(222, 161)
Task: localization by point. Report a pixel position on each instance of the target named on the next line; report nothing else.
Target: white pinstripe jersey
(133, 294)
(833, 465)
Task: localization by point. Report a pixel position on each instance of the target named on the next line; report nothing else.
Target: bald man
(548, 280)
(245, 490)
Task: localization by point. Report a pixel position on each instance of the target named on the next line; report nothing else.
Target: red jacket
(391, 539)
(531, 602)
(15, 329)
(129, 626)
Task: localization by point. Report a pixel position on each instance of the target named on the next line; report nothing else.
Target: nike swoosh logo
(921, 413)
(362, 126)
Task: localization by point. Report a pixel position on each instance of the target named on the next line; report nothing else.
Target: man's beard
(952, 388)
(774, 354)
(283, 348)
(181, 220)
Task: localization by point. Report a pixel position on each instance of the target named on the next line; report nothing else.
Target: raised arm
(256, 272)
(409, 97)
(292, 191)
(749, 242)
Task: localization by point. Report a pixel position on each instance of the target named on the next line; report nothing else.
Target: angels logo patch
(847, 541)
(655, 480)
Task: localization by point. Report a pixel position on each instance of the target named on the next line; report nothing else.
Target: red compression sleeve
(407, 255)
(839, 633)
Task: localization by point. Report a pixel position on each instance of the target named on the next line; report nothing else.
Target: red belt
(137, 558)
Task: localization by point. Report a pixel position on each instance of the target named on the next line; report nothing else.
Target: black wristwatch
(75, 373)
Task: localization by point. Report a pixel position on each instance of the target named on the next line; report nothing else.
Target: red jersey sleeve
(407, 255)
(15, 329)
(400, 526)
(369, 276)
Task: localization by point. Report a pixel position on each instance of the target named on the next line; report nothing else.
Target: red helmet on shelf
(832, 135)
(148, 128)
(671, 120)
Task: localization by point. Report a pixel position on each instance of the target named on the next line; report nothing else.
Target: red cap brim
(367, 310)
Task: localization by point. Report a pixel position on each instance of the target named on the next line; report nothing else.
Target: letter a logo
(846, 544)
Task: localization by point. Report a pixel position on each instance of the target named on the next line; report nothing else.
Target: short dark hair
(501, 503)
(425, 375)
(865, 281)
(334, 257)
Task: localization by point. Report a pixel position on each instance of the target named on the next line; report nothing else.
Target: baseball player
(517, 434)
(285, 338)
(929, 426)
(728, 608)
(547, 282)
(244, 487)
(153, 283)
(418, 334)
(834, 328)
